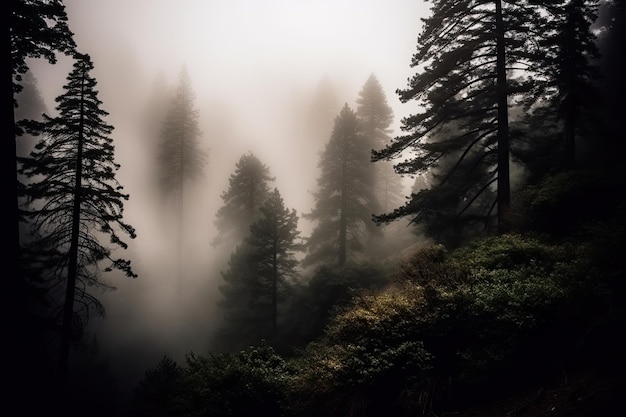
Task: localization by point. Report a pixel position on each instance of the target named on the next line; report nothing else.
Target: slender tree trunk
(72, 269)
(504, 190)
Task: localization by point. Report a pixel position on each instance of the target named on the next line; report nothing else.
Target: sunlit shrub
(370, 355)
(316, 301)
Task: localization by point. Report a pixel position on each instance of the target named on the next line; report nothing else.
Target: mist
(257, 69)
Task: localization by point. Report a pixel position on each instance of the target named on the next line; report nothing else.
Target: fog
(256, 67)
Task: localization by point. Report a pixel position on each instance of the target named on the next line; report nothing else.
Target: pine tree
(344, 197)
(565, 96)
(180, 159)
(472, 60)
(376, 116)
(248, 188)
(260, 269)
(33, 29)
(74, 201)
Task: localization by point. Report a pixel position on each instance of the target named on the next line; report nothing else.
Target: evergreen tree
(472, 59)
(566, 80)
(180, 158)
(344, 197)
(376, 117)
(74, 200)
(248, 188)
(32, 29)
(259, 270)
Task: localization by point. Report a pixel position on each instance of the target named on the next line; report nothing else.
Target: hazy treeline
(368, 297)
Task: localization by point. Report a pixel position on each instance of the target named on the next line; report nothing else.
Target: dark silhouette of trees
(562, 106)
(180, 158)
(473, 60)
(74, 201)
(32, 29)
(259, 270)
(248, 187)
(344, 198)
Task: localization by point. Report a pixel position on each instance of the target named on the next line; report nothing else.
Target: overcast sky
(237, 48)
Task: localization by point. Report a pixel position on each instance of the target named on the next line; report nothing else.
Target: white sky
(234, 47)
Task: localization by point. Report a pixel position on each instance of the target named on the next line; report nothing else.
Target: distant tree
(74, 200)
(259, 270)
(248, 188)
(180, 158)
(376, 117)
(344, 198)
(31, 104)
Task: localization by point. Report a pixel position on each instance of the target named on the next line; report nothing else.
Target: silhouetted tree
(31, 29)
(259, 270)
(159, 392)
(74, 201)
(565, 84)
(344, 198)
(248, 187)
(471, 59)
(180, 159)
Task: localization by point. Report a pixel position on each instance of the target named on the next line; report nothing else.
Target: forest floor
(587, 392)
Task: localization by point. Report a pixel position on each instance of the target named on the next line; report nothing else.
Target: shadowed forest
(282, 242)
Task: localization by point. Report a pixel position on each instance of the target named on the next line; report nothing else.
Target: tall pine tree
(180, 158)
(472, 62)
(376, 117)
(344, 198)
(75, 201)
(260, 269)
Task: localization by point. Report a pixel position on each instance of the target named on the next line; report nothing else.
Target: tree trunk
(72, 269)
